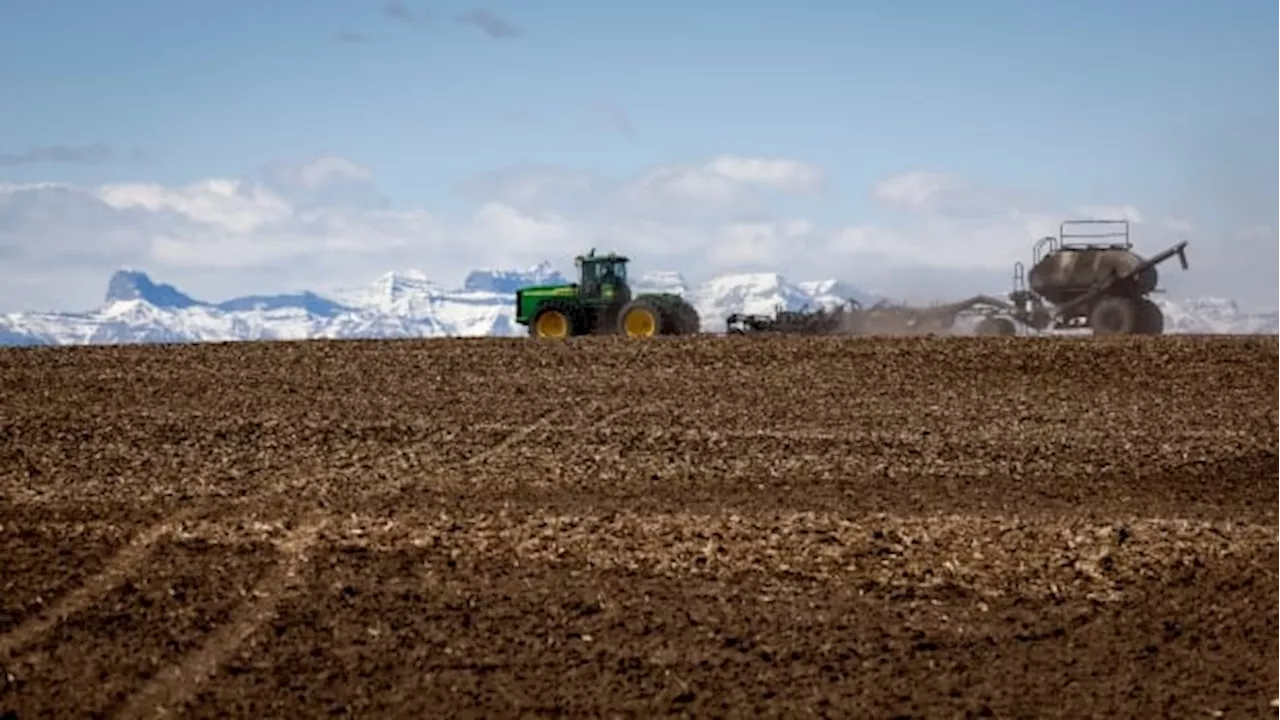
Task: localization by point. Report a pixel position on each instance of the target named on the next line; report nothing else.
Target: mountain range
(137, 309)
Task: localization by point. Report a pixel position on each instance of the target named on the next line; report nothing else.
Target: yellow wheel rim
(552, 324)
(640, 322)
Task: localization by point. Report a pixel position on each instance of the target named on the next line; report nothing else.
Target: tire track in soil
(545, 422)
(516, 436)
(706, 432)
(400, 486)
(174, 686)
(114, 573)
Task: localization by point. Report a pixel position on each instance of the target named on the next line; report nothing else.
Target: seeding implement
(822, 321)
(601, 302)
(1103, 287)
(851, 318)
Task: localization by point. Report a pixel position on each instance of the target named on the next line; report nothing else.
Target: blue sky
(1170, 106)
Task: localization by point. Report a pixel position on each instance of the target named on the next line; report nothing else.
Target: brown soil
(714, 526)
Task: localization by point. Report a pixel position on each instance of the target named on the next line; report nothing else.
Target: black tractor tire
(994, 326)
(554, 321)
(642, 317)
(1115, 315)
(1150, 318)
(684, 319)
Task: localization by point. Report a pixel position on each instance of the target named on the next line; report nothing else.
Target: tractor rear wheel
(641, 318)
(552, 323)
(684, 319)
(1150, 318)
(1115, 315)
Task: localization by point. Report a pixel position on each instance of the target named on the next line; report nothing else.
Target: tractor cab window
(613, 273)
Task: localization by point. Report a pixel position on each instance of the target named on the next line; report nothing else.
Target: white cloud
(962, 243)
(759, 245)
(326, 169)
(725, 187)
(323, 223)
(231, 223)
(686, 192)
(1114, 212)
(944, 195)
(228, 205)
(780, 173)
(537, 187)
(503, 235)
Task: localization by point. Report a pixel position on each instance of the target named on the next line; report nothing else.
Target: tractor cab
(603, 278)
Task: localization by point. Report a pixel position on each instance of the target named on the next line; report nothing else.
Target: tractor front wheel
(552, 323)
(640, 318)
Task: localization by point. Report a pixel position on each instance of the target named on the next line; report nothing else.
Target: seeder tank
(1066, 273)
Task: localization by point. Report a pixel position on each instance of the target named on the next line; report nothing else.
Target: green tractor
(601, 303)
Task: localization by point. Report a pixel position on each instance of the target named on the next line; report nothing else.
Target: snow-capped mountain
(508, 281)
(1215, 315)
(137, 309)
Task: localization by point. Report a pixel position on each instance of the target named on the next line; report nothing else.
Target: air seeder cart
(1077, 284)
(1071, 285)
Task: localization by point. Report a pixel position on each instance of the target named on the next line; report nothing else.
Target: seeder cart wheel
(1150, 318)
(1115, 315)
(989, 326)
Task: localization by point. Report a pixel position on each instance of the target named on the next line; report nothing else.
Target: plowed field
(711, 526)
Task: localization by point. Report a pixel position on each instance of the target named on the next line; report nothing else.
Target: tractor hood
(531, 297)
(557, 289)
